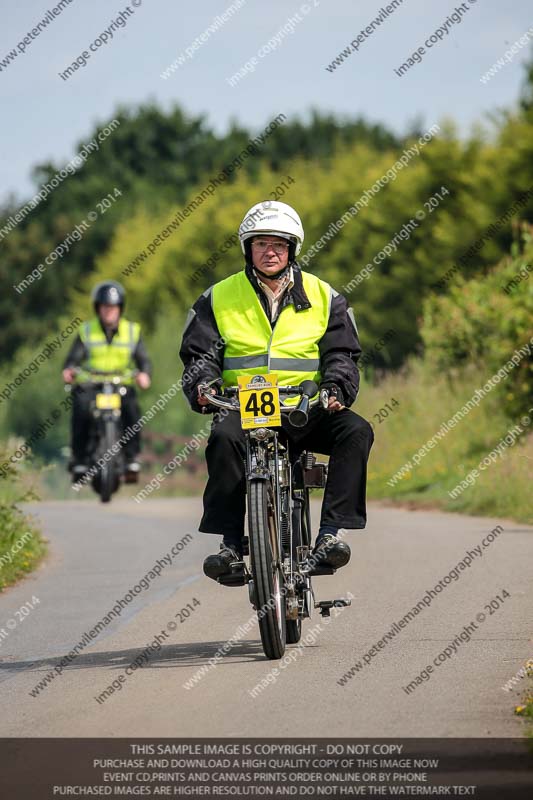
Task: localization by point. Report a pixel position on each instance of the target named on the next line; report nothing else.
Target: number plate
(259, 401)
(106, 401)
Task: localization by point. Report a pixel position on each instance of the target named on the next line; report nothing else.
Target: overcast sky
(44, 116)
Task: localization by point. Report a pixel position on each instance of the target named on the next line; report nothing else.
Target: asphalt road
(98, 553)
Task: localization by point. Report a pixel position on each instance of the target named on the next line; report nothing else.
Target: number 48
(265, 409)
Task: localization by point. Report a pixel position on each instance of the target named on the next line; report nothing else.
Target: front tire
(266, 567)
(108, 474)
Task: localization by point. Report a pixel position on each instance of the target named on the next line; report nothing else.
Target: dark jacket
(339, 346)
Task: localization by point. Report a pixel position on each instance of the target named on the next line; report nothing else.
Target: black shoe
(220, 564)
(331, 552)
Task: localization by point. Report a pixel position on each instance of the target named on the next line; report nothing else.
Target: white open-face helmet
(275, 219)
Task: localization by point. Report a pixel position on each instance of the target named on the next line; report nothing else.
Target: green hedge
(485, 321)
(21, 544)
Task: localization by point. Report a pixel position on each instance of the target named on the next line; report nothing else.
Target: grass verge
(21, 544)
(424, 403)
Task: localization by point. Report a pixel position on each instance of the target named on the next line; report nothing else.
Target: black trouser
(82, 400)
(343, 435)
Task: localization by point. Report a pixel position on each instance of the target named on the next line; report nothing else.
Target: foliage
(484, 321)
(155, 159)
(21, 545)
(426, 401)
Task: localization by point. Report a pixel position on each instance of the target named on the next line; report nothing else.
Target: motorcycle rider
(276, 318)
(110, 343)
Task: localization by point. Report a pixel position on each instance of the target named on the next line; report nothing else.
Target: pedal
(238, 576)
(316, 476)
(251, 594)
(326, 605)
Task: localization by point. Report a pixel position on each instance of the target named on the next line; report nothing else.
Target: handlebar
(107, 376)
(298, 415)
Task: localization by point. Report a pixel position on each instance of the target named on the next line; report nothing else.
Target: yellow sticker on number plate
(259, 401)
(108, 400)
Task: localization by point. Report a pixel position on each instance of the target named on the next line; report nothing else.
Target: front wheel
(266, 567)
(108, 477)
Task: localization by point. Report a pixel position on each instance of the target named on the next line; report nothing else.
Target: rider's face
(267, 259)
(109, 315)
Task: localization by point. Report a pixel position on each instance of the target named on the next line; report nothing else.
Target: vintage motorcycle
(281, 562)
(107, 465)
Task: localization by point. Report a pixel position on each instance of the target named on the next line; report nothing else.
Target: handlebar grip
(299, 415)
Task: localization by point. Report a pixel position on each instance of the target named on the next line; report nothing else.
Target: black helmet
(109, 292)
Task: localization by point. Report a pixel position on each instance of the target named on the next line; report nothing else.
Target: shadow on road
(187, 654)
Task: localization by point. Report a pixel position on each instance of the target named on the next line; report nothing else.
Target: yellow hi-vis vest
(116, 357)
(253, 348)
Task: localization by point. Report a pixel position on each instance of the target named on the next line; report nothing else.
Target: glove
(203, 404)
(330, 390)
